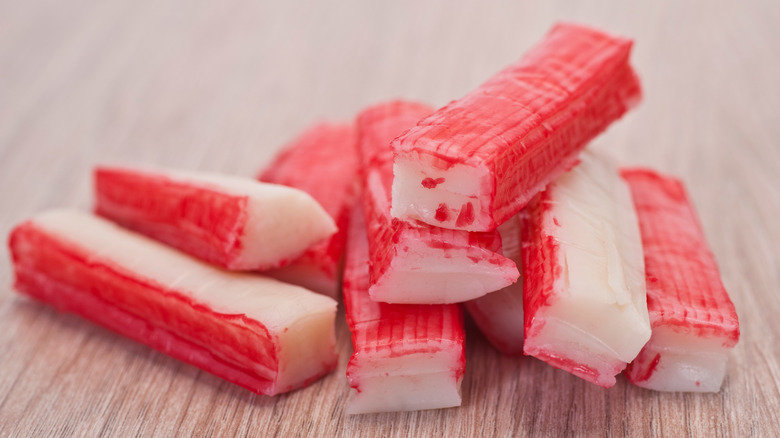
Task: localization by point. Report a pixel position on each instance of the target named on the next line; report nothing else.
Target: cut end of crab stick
(267, 336)
(694, 322)
(233, 222)
(405, 357)
(416, 263)
(583, 270)
(476, 162)
(322, 162)
(499, 315)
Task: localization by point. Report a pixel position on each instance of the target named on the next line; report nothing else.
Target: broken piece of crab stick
(264, 335)
(405, 356)
(499, 314)
(694, 322)
(476, 162)
(322, 162)
(236, 223)
(416, 263)
(583, 274)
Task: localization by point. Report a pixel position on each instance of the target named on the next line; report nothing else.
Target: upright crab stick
(499, 315)
(693, 320)
(416, 263)
(259, 333)
(322, 162)
(236, 223)
(405, 356)
(476, 162)
(583, 274)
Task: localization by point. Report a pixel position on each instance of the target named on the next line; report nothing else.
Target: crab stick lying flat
(476, 162)
(405, 356)
(236, 223)
(693, 320)
(267, 336)
(322, 162)
(583, 271)
(499, 315)
(413, 262)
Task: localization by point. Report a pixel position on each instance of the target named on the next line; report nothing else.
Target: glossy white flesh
(684, 362)
(404, 383)
(597, 315)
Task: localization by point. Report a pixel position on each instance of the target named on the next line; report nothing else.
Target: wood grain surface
(221, 86)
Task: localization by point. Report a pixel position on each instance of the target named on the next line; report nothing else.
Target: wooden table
(222, 85)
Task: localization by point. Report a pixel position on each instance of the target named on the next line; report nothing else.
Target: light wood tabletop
(221, 86)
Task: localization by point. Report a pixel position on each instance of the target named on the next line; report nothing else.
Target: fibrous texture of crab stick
(693, 320)
(236, 223)
(414, 262)
(259, 333)
(405, 356)
(499, 315)
(476, 162)
(322, 162)
(583, 274)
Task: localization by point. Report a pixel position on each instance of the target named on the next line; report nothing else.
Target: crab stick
(405, 356)
(583, 274)
(259, 333)
(236, 223)
(693, 320)
(476, 162)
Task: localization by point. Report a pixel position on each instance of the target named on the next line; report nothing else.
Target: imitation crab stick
(416, 263)
(405, 356)
(499, 315)
(236, 223)
(322, 162)
(476, 162)
(259, 333)
(583, 274)
(693, 320)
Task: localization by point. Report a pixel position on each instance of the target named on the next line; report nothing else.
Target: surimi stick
(405, 356)
(583, 274)
(499, 314)
(264, 335)
(476, 162)
(693, 320)
(416, 263)
(322, 162)
(236, 223)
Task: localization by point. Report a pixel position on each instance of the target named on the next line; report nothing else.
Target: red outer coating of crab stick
(476, 162)
(686, 300)
(405, 356)
(213, 328)
(415, 263)
(323, 163)
(236, 223)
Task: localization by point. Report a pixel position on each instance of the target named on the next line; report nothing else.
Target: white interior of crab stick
(586, 312)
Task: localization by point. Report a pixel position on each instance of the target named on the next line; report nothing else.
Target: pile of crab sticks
(490, 205)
